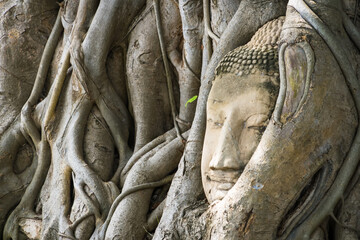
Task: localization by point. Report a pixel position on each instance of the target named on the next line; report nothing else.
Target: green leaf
(191, 100)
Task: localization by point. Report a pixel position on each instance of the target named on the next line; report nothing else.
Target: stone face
(238, 111)
(260, 54)
(239, 107)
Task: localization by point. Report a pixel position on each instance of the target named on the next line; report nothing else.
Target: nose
(227, 154)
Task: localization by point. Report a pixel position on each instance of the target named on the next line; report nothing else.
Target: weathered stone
(260, 54)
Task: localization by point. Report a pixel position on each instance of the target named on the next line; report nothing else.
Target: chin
(219, 190)
(218, 195)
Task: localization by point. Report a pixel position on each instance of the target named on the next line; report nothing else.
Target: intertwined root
(328, 203)
(58, 133)
(83, 83)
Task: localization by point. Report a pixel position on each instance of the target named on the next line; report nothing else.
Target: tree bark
(104, 114)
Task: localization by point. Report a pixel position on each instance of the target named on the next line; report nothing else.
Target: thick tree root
(310, 62)
(92, 207)
(282, 91)
(110, 105)
(32, 134)
(154, 217)
(189, 67)
(26, 205)
(351, 29)
(166, 137)
(57, 87)
(189, 84)
(73, 138)
(326, 206)
(167, 68)
(136, 21)
(28, 200)
(14, 184)
(125, 221)
(129, 191)
(57, 218)
(90, 64)
(27, 123)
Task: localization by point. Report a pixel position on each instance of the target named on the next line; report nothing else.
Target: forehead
(229, 86)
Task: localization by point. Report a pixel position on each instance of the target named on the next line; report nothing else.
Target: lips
(222, 179)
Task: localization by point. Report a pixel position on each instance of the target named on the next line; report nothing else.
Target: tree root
(208, 46)
(189, 82)
(90, 59)
(143, 158)
(57, 87)
(167, 68)
(65, 175)
(72, 142)
(310, 62)
(343, 225)
(282, 91)
(129, 191)
(44, 158)
(163, 162)
(66, 236)
(31, 133)
(80, 220)
(351, 29)
(60, 197)
(136, 21)
(79, 185)
(166, 137)
(236, 34)
(352, 183)
(27, 123)
(189, 67)
(208, 29)
(27, 202)
(326, 206)
(110, 105)
(70, 147)
(311, 201)
(155, 216)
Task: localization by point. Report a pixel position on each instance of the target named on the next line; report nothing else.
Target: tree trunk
(108, 114)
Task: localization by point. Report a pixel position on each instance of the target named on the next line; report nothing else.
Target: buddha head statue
(239, 107)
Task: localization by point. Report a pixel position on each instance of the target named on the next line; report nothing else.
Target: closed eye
(260, 129)
(258, 126)
(257, 122)
(215, 124)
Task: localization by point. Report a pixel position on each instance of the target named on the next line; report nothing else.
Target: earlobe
(296, 67)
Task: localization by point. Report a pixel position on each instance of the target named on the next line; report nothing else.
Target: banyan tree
(179, 119)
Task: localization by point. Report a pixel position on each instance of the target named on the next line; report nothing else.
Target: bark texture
(101, 136)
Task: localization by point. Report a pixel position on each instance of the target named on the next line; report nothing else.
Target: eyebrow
(259, 113)
(266, 103)
(214, 100)
(268, 85)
